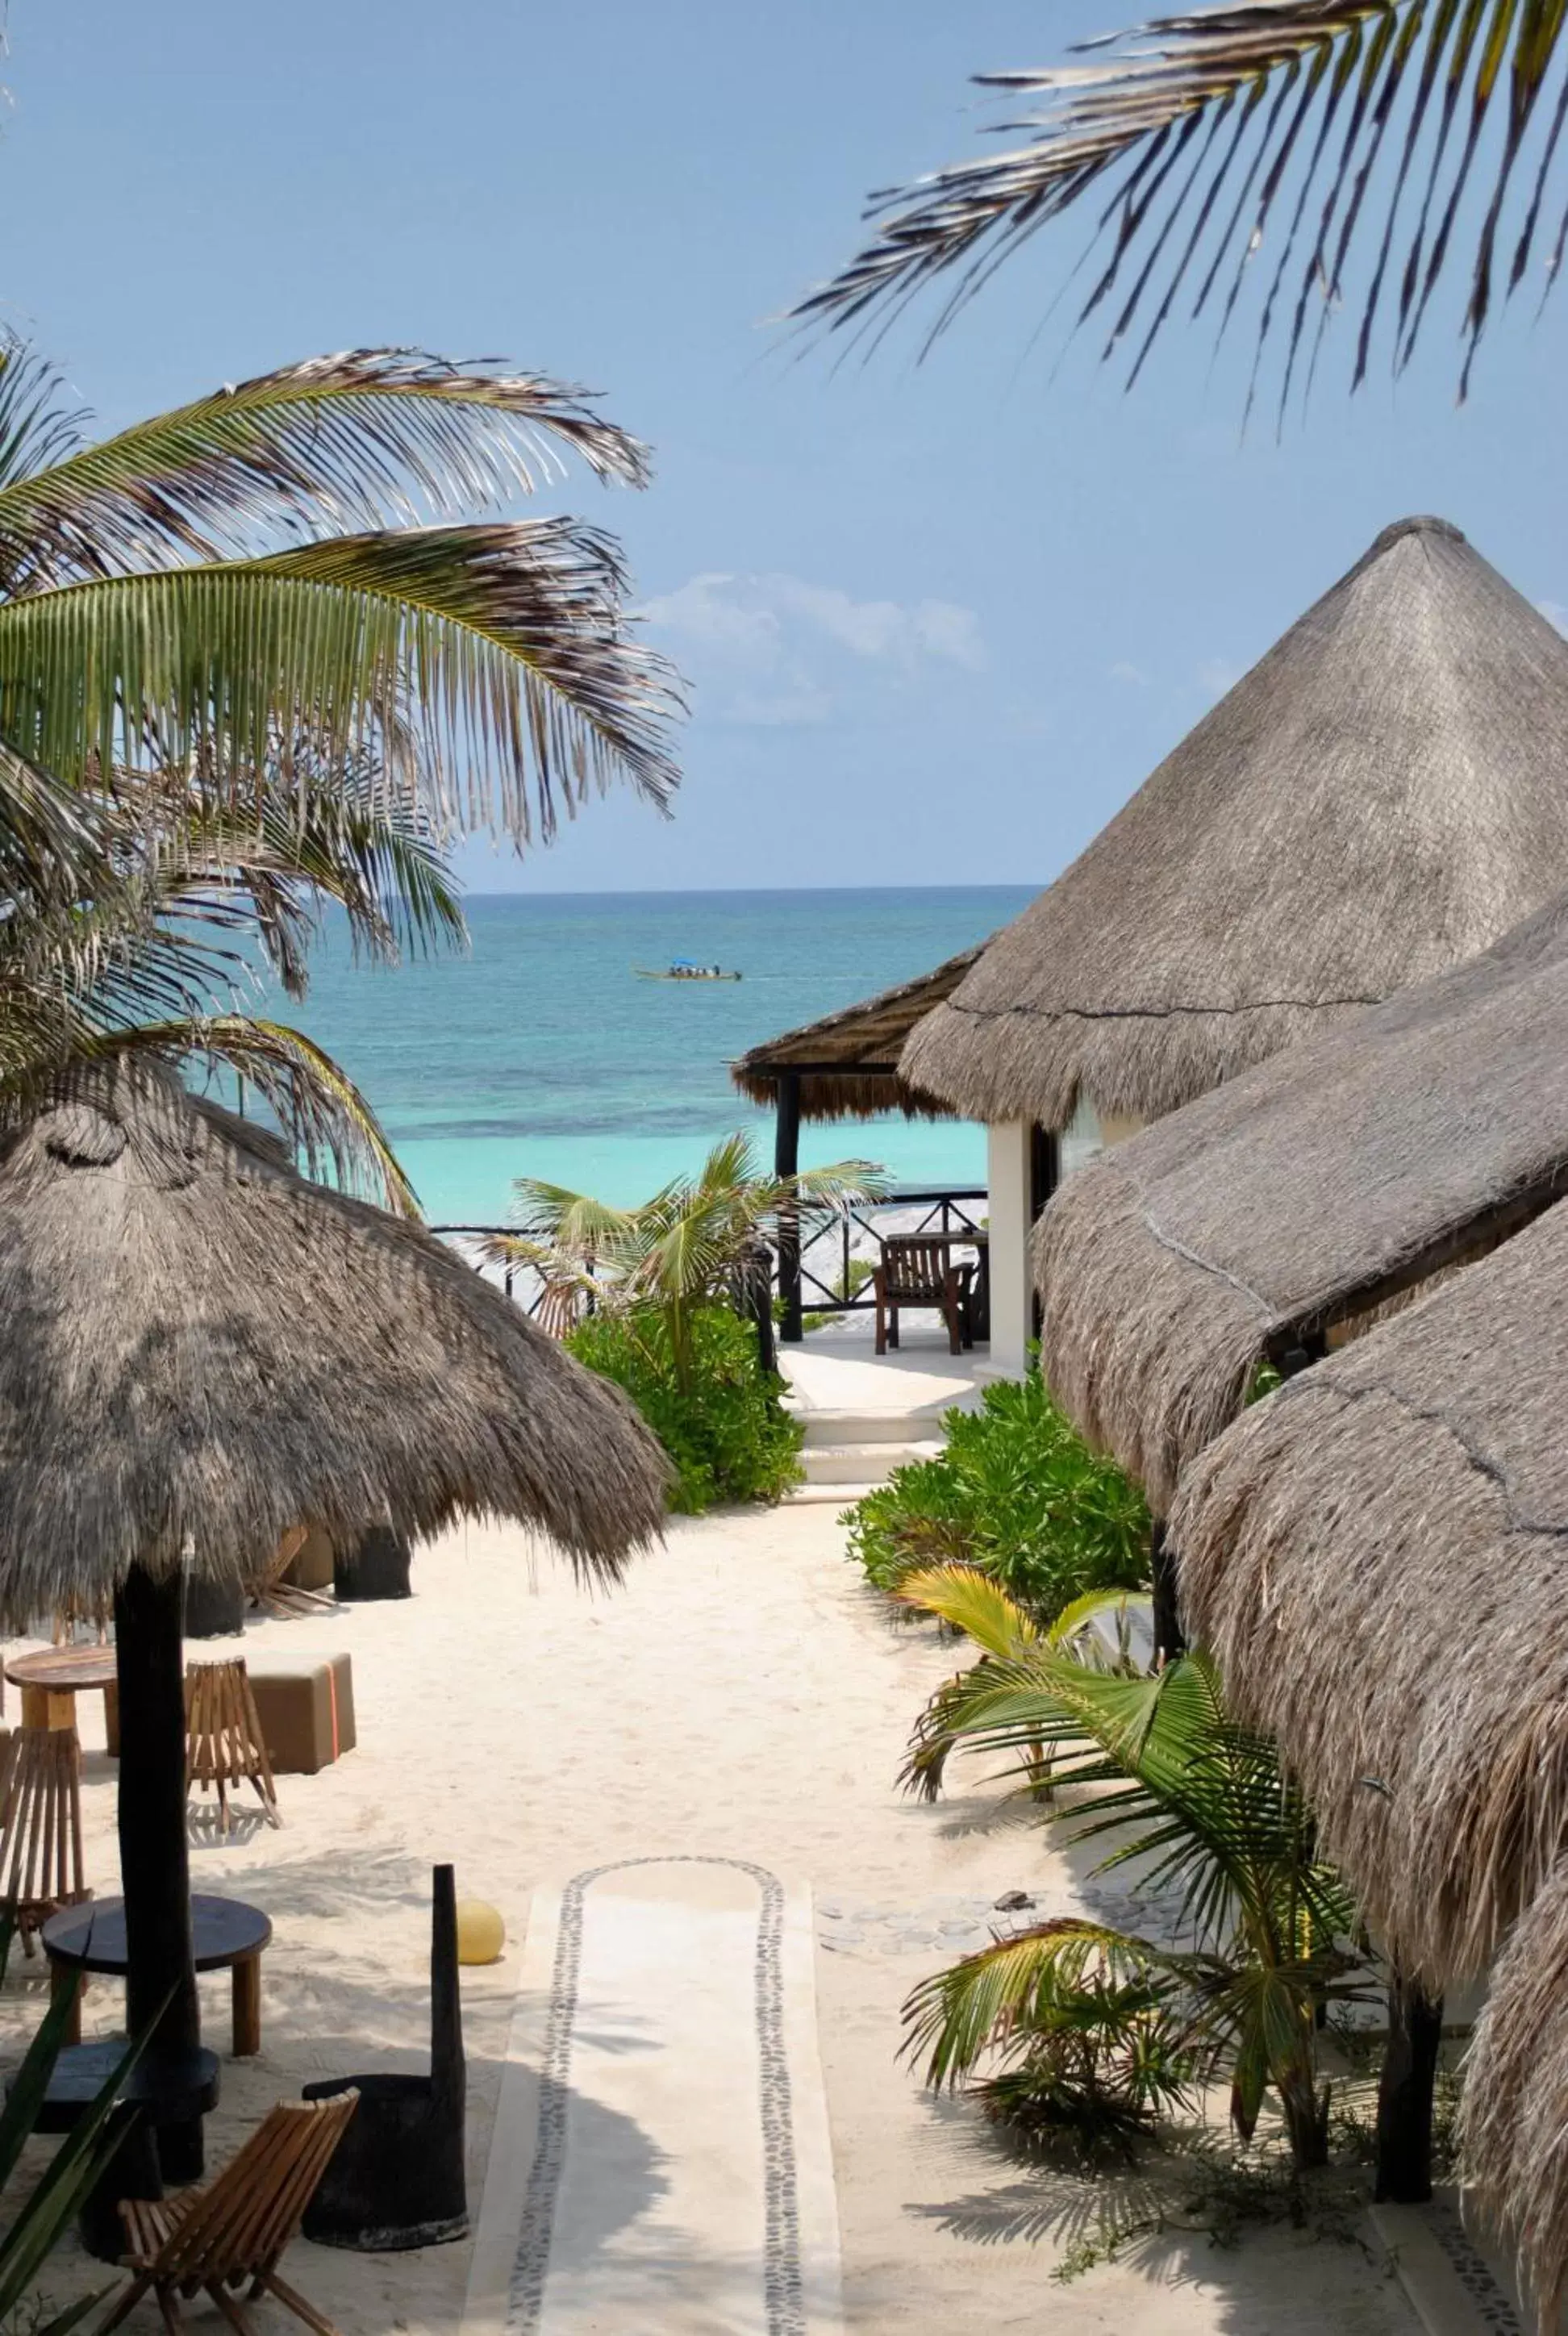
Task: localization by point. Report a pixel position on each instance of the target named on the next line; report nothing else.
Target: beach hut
(202, 1349)
(843, 1067)
(1382, 795)
(1375, 1555)
(1269, 1220)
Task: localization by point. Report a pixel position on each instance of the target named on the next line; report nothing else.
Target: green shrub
(727, 1433)
(1015, 1493)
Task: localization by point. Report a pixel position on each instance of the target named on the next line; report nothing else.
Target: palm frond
(1009, 1988)
(499, 650)
(367, 438)
(970, 1601)
(321, 1113)
(1342, 127)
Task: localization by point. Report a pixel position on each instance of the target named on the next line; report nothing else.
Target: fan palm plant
(1178, 1784)
(674, 1254)
(1274, 142)
(257, 647)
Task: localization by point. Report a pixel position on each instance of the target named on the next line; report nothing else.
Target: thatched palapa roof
(847, 1062)
(1303, 1195)
(200, 1350)
(1375, 1555)
(1382, 795)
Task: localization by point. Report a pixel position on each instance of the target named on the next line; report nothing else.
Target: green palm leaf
(498, 649)
(1204, 140)
(366, 438)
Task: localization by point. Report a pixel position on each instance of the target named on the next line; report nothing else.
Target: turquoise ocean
(539, 1053)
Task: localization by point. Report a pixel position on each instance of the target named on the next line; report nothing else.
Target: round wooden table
(52, 1678)
(227, 1935)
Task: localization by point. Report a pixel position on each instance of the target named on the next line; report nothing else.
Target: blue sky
(941, 619)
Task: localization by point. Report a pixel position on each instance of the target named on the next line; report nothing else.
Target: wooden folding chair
(233, 2230)
(39, 1827)
(223, 1740)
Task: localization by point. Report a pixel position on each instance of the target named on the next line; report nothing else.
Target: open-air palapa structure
(1381, 796)
(844, 1066)
(202, 1349)
(1266, 1220)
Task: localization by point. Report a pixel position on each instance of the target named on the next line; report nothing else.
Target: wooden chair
(39, 1827)
(918, 1270)
(224, 1745)
(233, 2230)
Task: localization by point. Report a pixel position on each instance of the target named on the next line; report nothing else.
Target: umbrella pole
(154, 1855)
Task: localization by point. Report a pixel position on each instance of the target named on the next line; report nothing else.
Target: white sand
(742, 1696)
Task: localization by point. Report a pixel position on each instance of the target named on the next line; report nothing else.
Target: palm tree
(671, 1254)
(256, 650)
(1265, 1922)
(1400, 131)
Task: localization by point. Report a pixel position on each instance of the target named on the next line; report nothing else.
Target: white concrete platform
(866, 1414)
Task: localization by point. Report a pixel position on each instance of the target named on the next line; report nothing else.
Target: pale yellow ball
(481, 1933)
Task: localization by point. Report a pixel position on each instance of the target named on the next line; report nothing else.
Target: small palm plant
(1266, 1928)
(671, 1255)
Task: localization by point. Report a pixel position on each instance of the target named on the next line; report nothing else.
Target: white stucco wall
(1008, 1148)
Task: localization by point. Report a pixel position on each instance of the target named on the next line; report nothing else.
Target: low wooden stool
(306, 1708)
(223, 1740)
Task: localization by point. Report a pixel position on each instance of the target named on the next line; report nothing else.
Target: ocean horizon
(537, 1051)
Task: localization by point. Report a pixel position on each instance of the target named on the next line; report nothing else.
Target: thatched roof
(847, 1061)
(1381, 796)
(200, 1350)
(1374, 1553)
(1303, 1195)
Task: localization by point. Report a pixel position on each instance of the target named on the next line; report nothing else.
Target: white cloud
(1132, 675)
(1554, 613)
(773, 649)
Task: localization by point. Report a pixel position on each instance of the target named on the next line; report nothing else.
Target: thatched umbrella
(201, 1350)
(1268, 1219)
(1375, 1555)
(1381, 796)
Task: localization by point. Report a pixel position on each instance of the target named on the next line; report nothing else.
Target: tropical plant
(724, 1427)
(1389, 130)
(674, 1254)
(1015, 1492)
(257, 645)
(1264, 1930)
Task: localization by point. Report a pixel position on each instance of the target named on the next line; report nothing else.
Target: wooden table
(52, 1678)
(227, 1934)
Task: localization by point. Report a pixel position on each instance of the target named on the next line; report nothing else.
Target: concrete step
(842, 1496)
(862, 1464)
(834, 1428)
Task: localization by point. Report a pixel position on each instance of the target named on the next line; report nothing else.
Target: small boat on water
(682, 969)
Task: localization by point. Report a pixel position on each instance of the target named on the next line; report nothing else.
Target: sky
(939, 619)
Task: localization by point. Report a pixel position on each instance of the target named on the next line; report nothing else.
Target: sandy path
(740, 1697)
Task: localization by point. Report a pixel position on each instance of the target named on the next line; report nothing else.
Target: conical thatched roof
(1375, 1555)
(200, 1350)
(1384, 794)
(1303, 1195)
(846, 1062)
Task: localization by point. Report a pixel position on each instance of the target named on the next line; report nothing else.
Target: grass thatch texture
(1374, 1554)
(1301, 1197)
(871, 1032)
(1514, 2106)
(1378, 798)
(202, 1349)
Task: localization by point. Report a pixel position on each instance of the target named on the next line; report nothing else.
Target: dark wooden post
(155, 1857)
(1169, 1641)
(786, 1162)
(1404, 2175)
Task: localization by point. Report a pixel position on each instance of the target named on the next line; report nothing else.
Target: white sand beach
(742, 1697)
